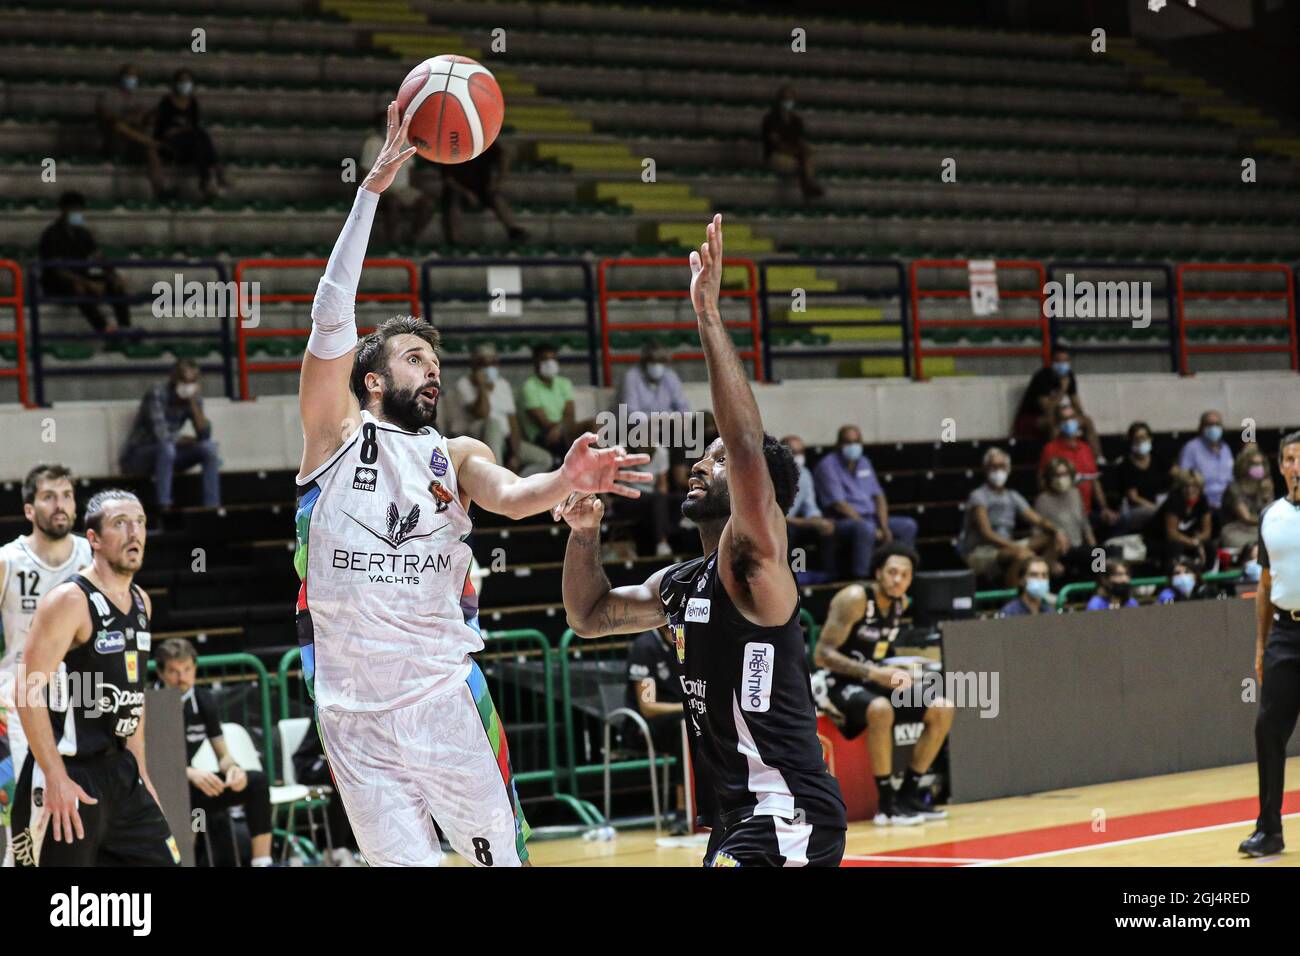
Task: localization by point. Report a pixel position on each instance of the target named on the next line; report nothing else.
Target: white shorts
(14, 742)
(443, 759)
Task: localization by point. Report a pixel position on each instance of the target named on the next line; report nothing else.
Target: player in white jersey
(30, 566)
(387, 613)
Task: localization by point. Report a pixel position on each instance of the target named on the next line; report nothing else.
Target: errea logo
(134, 910)
(364, 479)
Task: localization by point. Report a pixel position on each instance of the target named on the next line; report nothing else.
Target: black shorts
(125, 828)
(852, 698)
(775, 841)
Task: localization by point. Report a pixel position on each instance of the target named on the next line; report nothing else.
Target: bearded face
(412, 406)
(708, 498)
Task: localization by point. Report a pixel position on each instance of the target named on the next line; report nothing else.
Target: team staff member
(1277, 649)
(84, 797)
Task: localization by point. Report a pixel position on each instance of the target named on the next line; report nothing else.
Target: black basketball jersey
(749, 705)
(97, 695)
(872, 638)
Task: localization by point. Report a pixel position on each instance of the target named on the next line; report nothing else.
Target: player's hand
(595, 470)
(236, 779)
(62, 794)
(392, 156)
(895, 677)
(706, 270)
(581, 512)
(208, 783)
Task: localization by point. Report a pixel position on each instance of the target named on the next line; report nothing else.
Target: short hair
(181, 72)
(988, 455)
(782, 470)
(1022, 572)
(45, 471)
(1056, 461)
(98, 502)
(541, 348)
(372, 351)
(839, 435)
(174, 649)
(185, 363)
(125, 68)
(1290, 438)
(891, 550)
(1111, 566)
(71, 199)
(1187, 476)
(1135, 428)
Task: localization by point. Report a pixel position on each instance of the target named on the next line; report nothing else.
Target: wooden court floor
(1186, 819)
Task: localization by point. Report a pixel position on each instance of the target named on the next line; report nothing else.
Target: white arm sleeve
(333, 312)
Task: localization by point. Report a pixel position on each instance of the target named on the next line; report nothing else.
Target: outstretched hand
(392, 156)
(594, 470)
(706, 270)
(581, 512)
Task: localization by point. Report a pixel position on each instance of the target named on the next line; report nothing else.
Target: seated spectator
(654, 692)
(1210, 455)
(408, 202)
(233, 786)
(1059, 502)
(1035, 584)
(1143, 483)
(548, 404)
(1246, 496)
(785, 150)
(805, 523)
(1114, 588)
(68, 238)
(1182, 526)
(1067, 445)
(311, 769)
(126, 128)
(988, 544)
(156, 445)
(488, 413)
(1248, 562)
(856, 688)
(1049, 388)
(1185, 584)
(479, 183)
(181, 140)
(849, 492)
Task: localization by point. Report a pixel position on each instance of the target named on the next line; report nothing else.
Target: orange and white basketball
(458, 108)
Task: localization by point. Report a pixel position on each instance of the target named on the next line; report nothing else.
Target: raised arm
(592, 607)
(330, 412)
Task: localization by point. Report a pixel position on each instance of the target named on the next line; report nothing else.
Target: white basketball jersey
(26, 579)
(387, 613)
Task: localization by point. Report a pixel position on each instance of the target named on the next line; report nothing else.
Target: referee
(1277, 649)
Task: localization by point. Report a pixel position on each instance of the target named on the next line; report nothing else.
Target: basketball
(458, 108)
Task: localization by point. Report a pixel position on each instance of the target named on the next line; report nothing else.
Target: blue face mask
(1212, 433)
(130, 82)
(1061, 369)
(184, 87)
(1251, 570)
(1036, 588)
(1183, 583)
(852, 451)
(1070, 427)
(76, 219)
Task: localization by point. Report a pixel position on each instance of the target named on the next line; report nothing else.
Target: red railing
(242, 334)
(754, 353)
(1043, 349)
(19, 334)
(1288, 294)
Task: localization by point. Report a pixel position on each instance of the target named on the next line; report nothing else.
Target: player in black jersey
(84, 797)
(857, 688)
(734, 617)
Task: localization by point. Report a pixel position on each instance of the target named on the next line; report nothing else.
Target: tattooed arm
(592, 607)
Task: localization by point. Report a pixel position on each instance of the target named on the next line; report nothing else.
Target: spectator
(1182, 526)
(1248, 561)
(182, 140)
(654, 692)
(1114, 588)
(785, 150)
(548, 404)
(126, 128)
(1059, 502)
(652, 388)
(848, 491)
(479, 182)
(232, 786)
(1210, 455)
(1143, 484)
(988, 543)
(1185, 584)
(1067, 445)
(408, 204)
(155, 444)
(1250, 492)
(1035, 584)
(488, 405)
(68, 238)
(311, 769)
(1049, 388)
(805, 522)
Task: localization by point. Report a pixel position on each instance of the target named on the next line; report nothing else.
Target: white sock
(261, 861)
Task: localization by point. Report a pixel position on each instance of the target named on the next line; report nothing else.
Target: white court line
(923, 859)
(1141, 839)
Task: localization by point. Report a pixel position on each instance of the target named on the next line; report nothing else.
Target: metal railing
(1062, 324)
(239, 671)
(19, 335)
(1184, 294)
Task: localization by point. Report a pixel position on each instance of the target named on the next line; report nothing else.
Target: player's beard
(402, 407)
(52, 531)
(714, 505)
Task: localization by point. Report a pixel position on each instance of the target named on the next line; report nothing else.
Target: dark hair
(372, 351)
(1022, 572)
(71, 199)
(1135, 427)
(95, 506)
(1290, 438)
(782, 470)
(541, 348)
(174, 649)
(125, 68)
(894, 549)
(176, 77)
(185, 363)
(45, 471)
(1111, 565)
(839, 434)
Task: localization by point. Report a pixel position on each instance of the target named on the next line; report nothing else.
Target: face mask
(787, 105)
(1183, 583)
(1070, 427)
(491, 373)
(1212, 433)
(654, 371)
(1251, 570)
(1192, 498)
(799, 460)
(852, 451)
(1061, 369)
(1036, 588)
(1120, 589)
(187, 389)
(1257, 472)
(1062, 483)
(1142, 448)
(998, 477)
(549, 368)
(76, 219)
(129, 83)
(184, 87)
